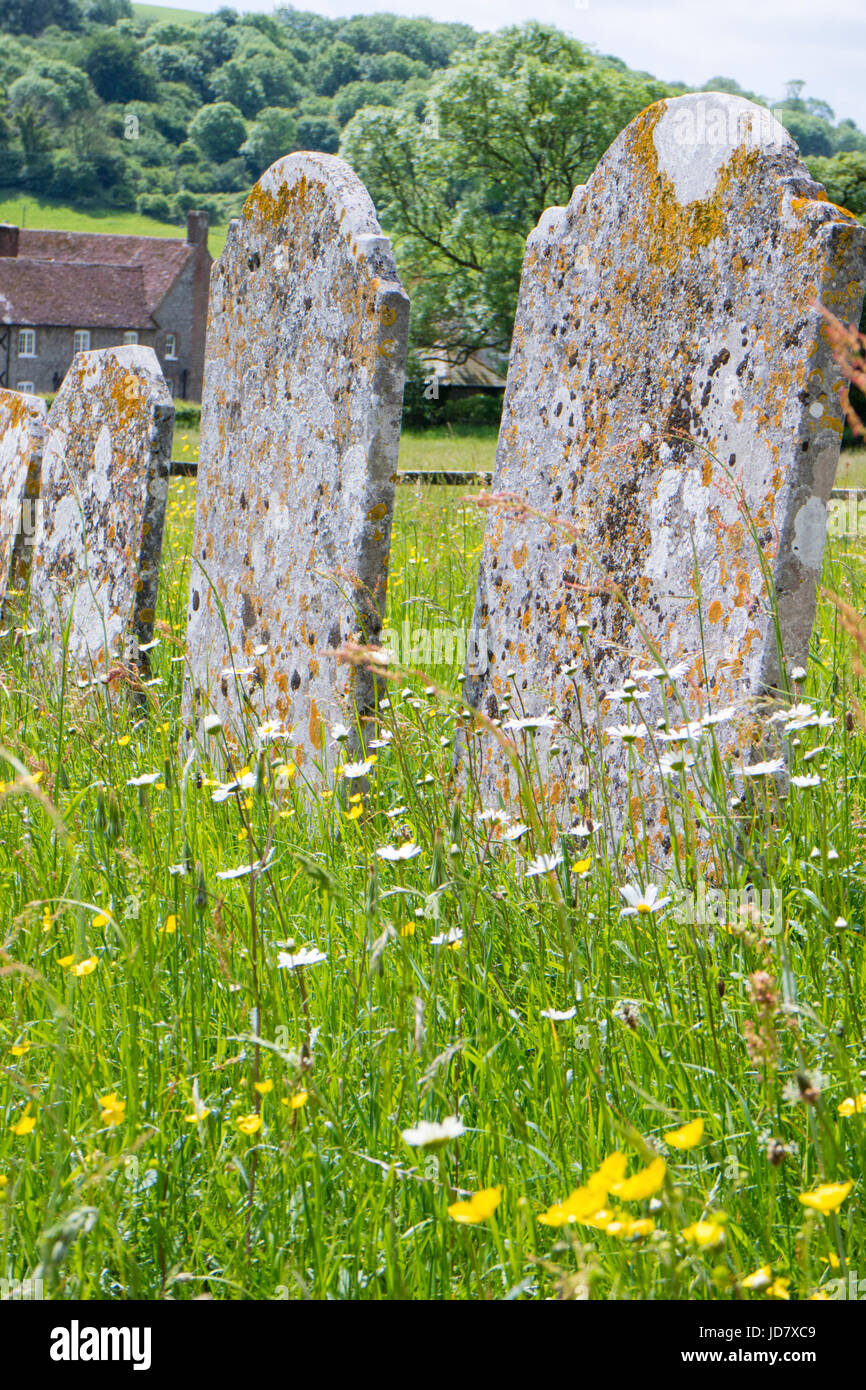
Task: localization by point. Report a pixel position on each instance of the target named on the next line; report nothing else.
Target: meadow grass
(184, 1114)
(51, 214)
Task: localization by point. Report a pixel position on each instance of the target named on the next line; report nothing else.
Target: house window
(26, 387)
(131, 337)
(170, 347)
(26, 342)
(81, 340)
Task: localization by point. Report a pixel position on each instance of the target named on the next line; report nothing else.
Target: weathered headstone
(98, 535)
(667, 361)
(22, 437)
(305, 354)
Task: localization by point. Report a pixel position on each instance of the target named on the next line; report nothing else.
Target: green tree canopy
(218, 130)
(509, 129)
(273, 134)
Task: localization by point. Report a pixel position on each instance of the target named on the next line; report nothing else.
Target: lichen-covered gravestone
(98, 534)
(304, 363)
(22, 436)
(667, 365)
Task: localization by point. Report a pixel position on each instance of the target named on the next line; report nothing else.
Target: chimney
(196, 228)
(8, 239)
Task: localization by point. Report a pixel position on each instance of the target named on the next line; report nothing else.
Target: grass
(458, 448)
(852, 468)
(180, 1115)
(29, 210)
(167, 14)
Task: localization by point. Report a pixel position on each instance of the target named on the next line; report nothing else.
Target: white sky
(762, 44)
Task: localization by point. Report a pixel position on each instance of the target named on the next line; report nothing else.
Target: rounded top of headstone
(352, 203)
(697, 134)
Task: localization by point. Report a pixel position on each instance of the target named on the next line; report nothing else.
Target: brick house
(65, 292)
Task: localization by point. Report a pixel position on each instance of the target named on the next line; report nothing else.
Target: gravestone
(98, 534)
(22, 436)
(304, 363)
(667, 362)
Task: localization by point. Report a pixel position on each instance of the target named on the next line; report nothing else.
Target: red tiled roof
(63, 292)
(161, 259)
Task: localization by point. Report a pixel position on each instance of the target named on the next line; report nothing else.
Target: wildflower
(544, 864)
(705, 1234)
(803, 782)
(628, 1012)
(828, 1197)
(686, 733)
(659, 673)
(66, 960)
(386, 738)
(20, 1049)
(687, 1136)
(515, 833)
(539, 721)
(113, 1110)
(642, 900)
(404, 851)
(199, 1112)
(582, 1203)
(764, 769)
(680, 761)
(296, 1101)
(352, 771)
(170, 925)
(480, 1206)
(559, 1015)
(627, 692)
(779, 1289)
(244, 869)
(308, 955)
(284, 773)
(453, 938)
(102, 919)
(27, 1122)
(627, 1227)
(146, 779)
(628, 733)
(719, 716)
(642, 1184)
(428, 1134)
(249, 1124)
(407, 929)
(355, 812)
(264, 1087)
(84, 967)
(212, 723)
(851, 1105)
(759, 1279)
(123, 740)
(270, 731)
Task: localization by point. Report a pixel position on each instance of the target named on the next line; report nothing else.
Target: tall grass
(182, 1114)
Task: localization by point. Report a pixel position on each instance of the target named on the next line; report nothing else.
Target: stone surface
(98, 535)
(305, 356)
(22, 437)
(666, 364)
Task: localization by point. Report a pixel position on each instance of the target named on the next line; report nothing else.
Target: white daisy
(642, 900)
(308, 955)
(515, 832)
(428, 1134)
(452, 937)
(352, 771)
(813, 781)
(629, 733)
(393, 853)
(244, 869)
(145, 779)
(544, 864)
(559, 1015)
(533, 722)
(764, 769)
(339, 732)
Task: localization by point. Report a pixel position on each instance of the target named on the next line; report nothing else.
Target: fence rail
(181, 468)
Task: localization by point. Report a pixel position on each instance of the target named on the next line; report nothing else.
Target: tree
(844, 178)
(317, 133)
(509, 129)
(334, 67)
(273, 134)
(116, 69)
(32, 16)
(219, 131)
